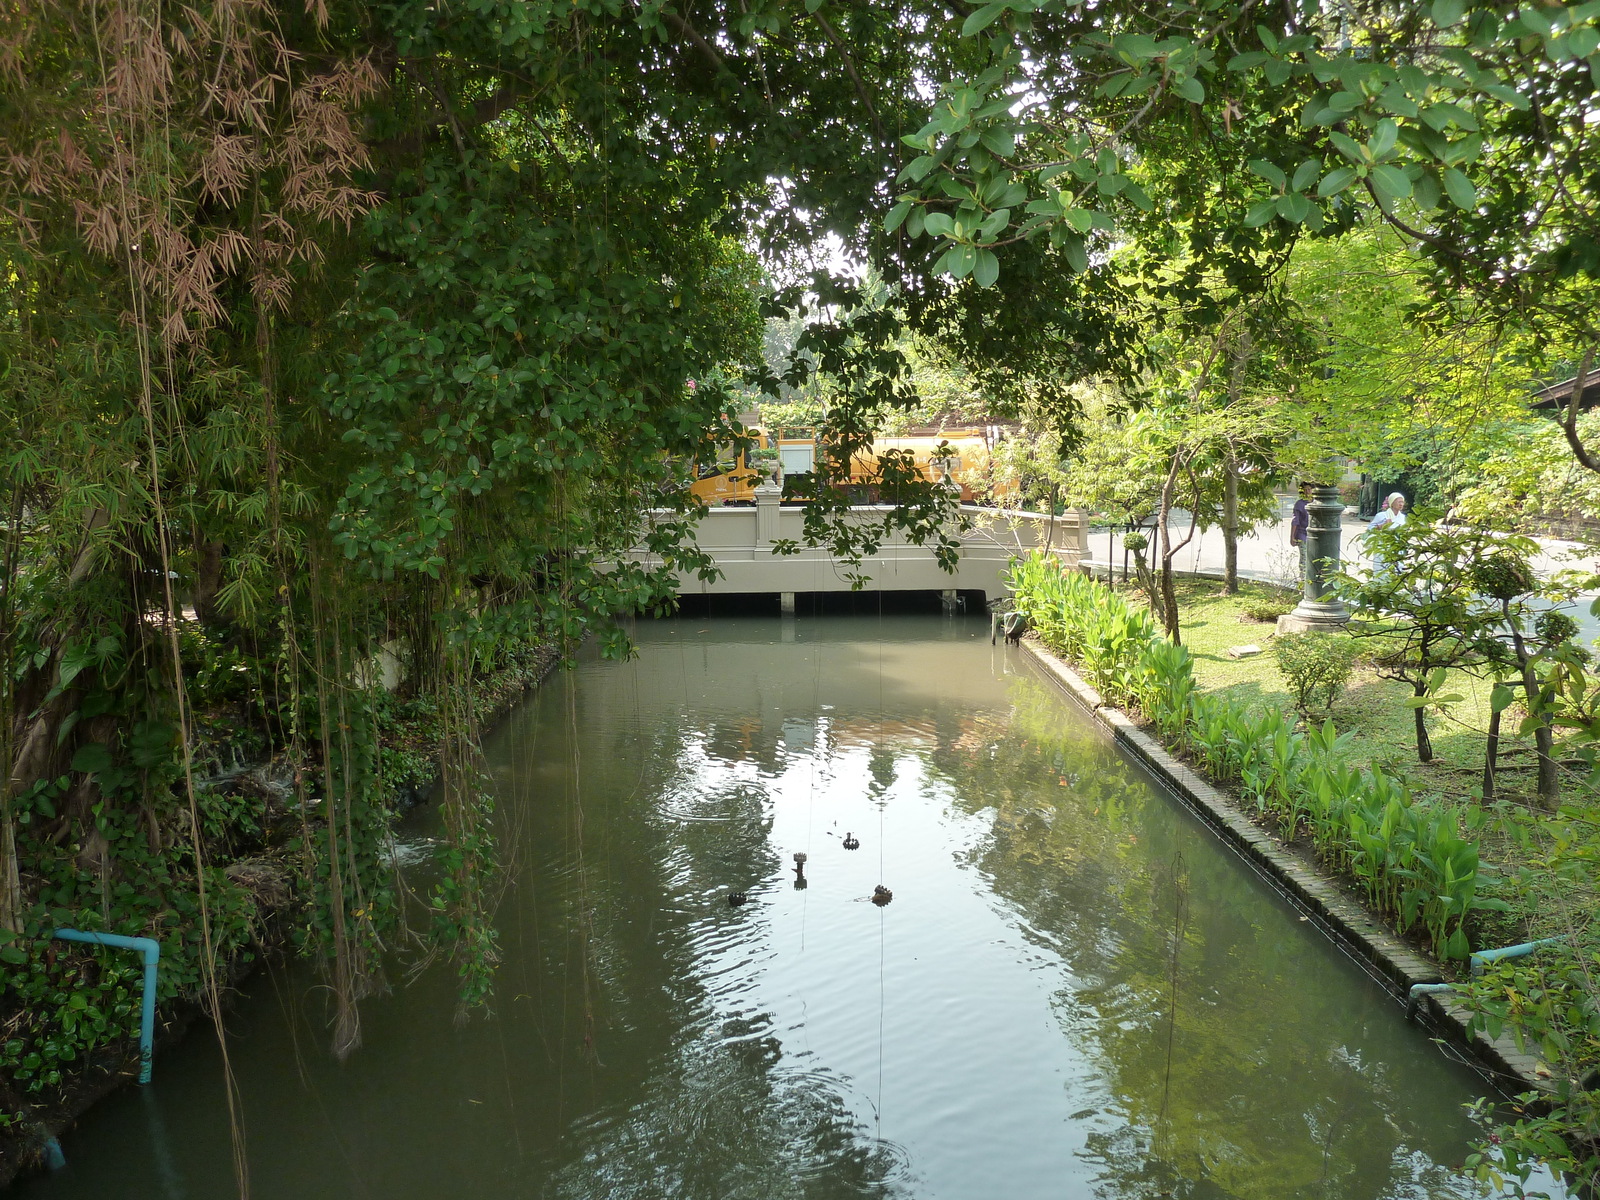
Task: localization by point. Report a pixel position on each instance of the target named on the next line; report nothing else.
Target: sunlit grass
(1371, 708)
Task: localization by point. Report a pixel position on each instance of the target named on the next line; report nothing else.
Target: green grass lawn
(1372, 709)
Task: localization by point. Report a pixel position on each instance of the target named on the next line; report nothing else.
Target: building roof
(1557, 395)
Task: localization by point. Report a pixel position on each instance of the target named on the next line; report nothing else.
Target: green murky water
(1076, 990)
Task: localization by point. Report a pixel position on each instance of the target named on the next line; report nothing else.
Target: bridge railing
(740, 540)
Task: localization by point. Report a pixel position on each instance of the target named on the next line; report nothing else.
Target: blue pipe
(1419, 990)
(1480, 957)
(151, 949)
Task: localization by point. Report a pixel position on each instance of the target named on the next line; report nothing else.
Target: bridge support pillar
(786, 603)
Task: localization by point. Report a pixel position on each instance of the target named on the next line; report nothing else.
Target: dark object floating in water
(851, 842)
(881, 895)
(736, 898)
(799, 869)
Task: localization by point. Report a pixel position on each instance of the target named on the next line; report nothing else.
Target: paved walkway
(1266, 555)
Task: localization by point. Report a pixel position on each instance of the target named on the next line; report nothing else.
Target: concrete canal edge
(1343, 919)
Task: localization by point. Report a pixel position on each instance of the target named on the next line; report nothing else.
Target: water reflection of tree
(1266, 1098)
(620, 906)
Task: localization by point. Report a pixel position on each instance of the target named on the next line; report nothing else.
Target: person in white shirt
(1391, 516)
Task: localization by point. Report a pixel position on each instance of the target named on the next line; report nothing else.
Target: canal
(1075, 990)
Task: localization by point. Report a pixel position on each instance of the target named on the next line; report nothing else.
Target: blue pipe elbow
(1482, 957)
(1419, 990)
(151, 950)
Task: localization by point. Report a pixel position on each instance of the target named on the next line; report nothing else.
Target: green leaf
(91, 757)
(1262, 169)
(1077, 254)
(1134, 47)
(1305, 173)
(1190, 89)
(1081, 219)
(1500, 698)
(1448, 12)
(962, 259)
(995, 223)
(938, 224)
(986, 269)
(1383, 138)
(1335, 181)
(980, 19)
(1460, 189)
(1390, 183)
(1424, 188)
(1293, 207)
(1261, 212)
(897, 216)
(1347, 146)
(1001, 142)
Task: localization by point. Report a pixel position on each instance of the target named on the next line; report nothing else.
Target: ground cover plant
(1417, 857)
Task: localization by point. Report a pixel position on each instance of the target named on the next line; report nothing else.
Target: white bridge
(741, 543)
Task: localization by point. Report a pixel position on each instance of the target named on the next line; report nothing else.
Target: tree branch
(1569, 424)
(855, 78)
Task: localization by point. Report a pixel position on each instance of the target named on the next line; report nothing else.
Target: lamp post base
(1312, 616)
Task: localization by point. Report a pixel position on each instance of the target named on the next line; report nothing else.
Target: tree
(1421, 606)
(356, 326)
(1424, 117)
(1526, 632)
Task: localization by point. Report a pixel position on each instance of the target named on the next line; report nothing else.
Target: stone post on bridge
(1075, 542)
(1318, 610)
(769, 497)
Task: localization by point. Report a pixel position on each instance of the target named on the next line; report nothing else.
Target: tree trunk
(1491, 757)
(10, 876)
(1230, 473)
(1149, 585)
(1549, 778)
(1230, 526)
(1169, 593)
(208, 582)
(1424, 743)
(1549, 784)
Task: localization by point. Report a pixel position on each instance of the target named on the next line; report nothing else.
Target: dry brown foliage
(189, 143)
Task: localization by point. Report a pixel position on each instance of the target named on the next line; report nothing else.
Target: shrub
(1314, 665)
(1265, 610)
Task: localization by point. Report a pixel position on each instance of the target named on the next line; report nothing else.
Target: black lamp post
(1318, 610)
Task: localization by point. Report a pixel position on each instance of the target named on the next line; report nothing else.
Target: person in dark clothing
(1300, 525)
(1300, 522)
